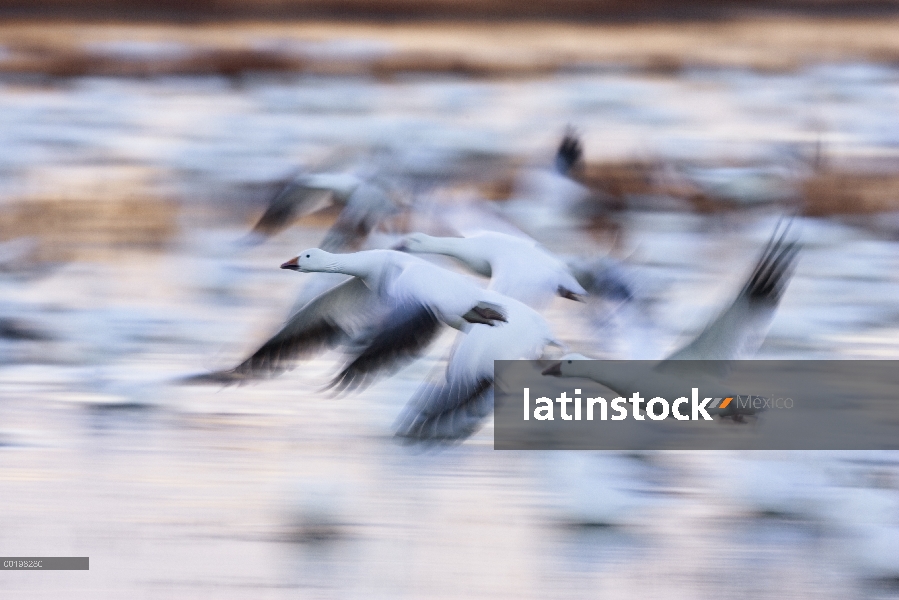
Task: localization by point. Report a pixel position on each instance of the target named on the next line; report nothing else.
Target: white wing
(741, 328)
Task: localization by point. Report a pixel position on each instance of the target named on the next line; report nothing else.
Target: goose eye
(308, 256)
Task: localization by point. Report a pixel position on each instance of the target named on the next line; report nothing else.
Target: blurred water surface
(277, 490)
(258, 128)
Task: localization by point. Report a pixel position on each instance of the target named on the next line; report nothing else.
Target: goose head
(312, 261)
(567, 367)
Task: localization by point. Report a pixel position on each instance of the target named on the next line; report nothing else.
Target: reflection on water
(277, 490)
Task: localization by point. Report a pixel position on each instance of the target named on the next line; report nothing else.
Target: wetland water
(276, 490)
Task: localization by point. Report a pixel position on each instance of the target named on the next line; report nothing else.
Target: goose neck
(357, 264)
(463, 249)
(445, 246)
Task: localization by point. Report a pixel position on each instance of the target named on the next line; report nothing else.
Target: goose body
(738, 331)
(400, 280)
(517, 267)
(456, 405)
(740, 328)
(649, 381)
(393, 302)
(366, 202)
(422, 295)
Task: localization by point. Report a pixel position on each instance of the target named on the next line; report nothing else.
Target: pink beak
(292, 264)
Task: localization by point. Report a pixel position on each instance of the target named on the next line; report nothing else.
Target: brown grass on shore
(841, 192)
(81, 227)
(490, 49)
(84, 228)
(827, 191)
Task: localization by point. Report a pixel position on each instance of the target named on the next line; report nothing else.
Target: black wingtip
(347, 381)
(397, 340)
(570, 152)
(773, 270)
(564, 292)
(272, 222)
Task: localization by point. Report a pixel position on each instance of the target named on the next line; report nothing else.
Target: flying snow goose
(570, 153)
(549, 195)
(418, 299)
(388, 289)
(522, 268)
(518, 267)
(369, 194)
(454, 406)
(366, 202)
(740, 329)
(736, 333)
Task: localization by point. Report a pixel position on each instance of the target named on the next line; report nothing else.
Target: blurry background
(140, 142)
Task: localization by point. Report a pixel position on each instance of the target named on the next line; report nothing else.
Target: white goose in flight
(393, 301)
(366, 201)
(415, 297)
(517, 266)
(455, 405)
(737, 332)
(400, 300)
